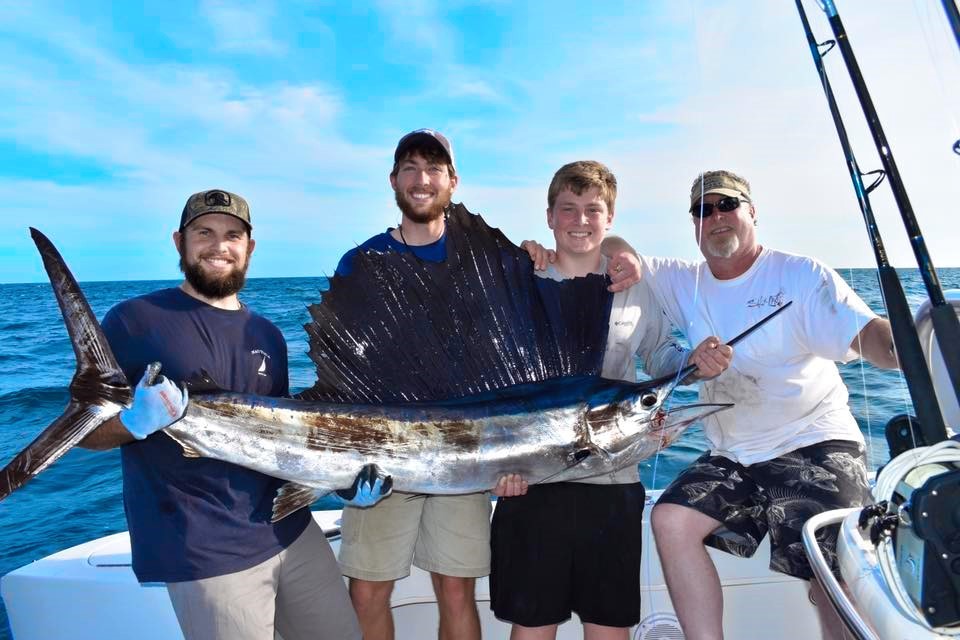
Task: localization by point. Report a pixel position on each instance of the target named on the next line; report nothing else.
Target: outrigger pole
(909, 351)
(945, 322)
(953, 16)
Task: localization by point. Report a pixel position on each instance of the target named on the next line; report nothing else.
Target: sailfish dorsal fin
(400, 329)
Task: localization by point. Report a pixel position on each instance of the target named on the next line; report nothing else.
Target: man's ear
(177, 238)
(610, 215)
(549, 219)
(393, 182)
(454, 181)
(252, 243)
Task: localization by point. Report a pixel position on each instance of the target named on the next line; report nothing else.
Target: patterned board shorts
(775, 496)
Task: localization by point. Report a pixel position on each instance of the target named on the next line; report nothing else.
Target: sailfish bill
(548, 427)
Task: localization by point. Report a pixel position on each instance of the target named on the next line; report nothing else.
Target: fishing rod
(953, 17)
(944, 318)
(909, 352)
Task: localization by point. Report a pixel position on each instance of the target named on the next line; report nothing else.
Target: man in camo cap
(202, 526)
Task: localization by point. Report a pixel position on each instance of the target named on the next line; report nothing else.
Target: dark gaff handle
(909, 351)
(690, 368)
(945, 322)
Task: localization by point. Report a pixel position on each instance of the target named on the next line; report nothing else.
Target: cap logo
(216, 199)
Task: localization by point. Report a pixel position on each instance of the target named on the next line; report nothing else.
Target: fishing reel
(915, 527)
(927, 541)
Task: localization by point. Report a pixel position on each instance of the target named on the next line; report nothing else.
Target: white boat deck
(89, 592)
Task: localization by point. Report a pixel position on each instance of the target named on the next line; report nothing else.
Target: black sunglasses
(725, 205)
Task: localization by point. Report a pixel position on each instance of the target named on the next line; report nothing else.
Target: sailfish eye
(648, 400)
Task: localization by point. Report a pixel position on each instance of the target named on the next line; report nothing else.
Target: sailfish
(445, 375)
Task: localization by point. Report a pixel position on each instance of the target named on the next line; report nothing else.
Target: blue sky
(111, 114)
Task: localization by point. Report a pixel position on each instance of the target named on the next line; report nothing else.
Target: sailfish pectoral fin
(666, 428)
(66, 431)
(574, 461)
(292, 497)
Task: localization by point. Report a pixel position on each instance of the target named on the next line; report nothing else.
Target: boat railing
(831, 586)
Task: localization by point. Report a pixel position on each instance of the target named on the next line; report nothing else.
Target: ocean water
(78, 498)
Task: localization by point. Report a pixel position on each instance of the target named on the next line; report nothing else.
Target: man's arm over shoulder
(623, 264)
(613, 245)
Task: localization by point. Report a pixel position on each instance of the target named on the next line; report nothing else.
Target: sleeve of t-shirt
(834, 314)
(661, 276)
(658, 350)
(345, 266)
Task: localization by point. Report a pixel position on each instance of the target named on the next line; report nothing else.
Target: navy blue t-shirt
(193, 518)
(436, 251)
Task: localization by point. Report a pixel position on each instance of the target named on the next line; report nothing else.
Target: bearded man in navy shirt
(202, 526)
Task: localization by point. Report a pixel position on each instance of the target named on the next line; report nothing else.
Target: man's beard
(435, 211)
(723, 247)
(214, 288)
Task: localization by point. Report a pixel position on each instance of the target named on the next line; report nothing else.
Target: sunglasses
(724, 205)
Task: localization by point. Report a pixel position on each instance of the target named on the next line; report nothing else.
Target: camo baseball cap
(419, 136)
(215, 201)
(723, 182)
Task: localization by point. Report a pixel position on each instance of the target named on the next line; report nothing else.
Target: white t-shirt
(785, 386)
(638, 326)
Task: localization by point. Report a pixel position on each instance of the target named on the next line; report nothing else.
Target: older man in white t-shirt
(789, 448)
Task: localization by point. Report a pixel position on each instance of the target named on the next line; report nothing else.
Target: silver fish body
(558, 430)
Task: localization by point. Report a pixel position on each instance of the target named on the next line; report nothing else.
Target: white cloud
(242, 27)
(417, 26)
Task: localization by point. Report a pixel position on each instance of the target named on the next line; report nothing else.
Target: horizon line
(2, 284)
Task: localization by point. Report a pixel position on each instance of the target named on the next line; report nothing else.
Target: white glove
(155, 406)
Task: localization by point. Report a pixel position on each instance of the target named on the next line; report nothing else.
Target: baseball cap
(215, 201)
(421, 135)
(723, 182)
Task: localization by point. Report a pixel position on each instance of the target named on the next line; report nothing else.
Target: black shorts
(568, 547)
(778, 496)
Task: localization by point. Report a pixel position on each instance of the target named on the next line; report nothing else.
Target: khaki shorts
(299, 593)
(449, 535)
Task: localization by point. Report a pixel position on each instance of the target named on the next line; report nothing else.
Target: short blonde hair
(581, 176)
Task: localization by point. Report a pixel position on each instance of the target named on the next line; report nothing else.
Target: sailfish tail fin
(99, 388)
